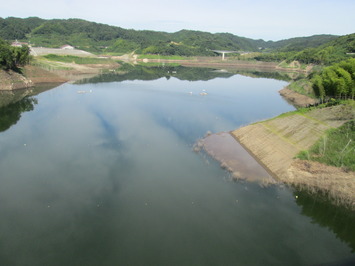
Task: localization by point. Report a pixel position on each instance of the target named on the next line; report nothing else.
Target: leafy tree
(336, 81)
(6, 56)
(17, 28)
(13, 57)
(318, 86)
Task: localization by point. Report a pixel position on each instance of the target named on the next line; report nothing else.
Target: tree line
(336, 81)
(13, 57)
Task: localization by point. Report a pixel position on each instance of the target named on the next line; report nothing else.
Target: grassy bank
(335, 148)
(302, 86)
(77, 59)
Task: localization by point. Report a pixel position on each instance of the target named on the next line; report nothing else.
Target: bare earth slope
(296, 98)
(277, 141)
(10, 80)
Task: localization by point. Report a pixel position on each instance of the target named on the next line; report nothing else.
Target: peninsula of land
(274, 143)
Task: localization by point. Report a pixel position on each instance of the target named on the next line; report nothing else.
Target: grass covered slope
(336, 147)
(77, 59)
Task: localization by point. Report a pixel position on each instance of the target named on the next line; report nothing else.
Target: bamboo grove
(336, 81)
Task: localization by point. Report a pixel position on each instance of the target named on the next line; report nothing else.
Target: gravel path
(36, 51)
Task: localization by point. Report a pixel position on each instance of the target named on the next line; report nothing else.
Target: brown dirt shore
(35, 76)
(69, 72)
(216, 62)
(297, 99)
(32, 76)
(11, 80)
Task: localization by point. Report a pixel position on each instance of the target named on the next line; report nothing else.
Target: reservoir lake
(103, 172)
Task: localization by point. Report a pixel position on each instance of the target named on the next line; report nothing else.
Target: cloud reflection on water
(110, 176)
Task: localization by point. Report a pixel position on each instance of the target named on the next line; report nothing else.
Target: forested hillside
(98, 37)
(101, 38)
(330, 52)
(300, 43)
(17, 28)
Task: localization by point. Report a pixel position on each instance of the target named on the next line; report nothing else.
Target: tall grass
(336, 148)
(303, 86)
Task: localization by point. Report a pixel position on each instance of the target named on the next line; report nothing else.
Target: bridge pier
(224, 53)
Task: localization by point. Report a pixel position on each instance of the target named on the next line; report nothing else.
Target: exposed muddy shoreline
(30, 77)
(33, 75)
(297, 99)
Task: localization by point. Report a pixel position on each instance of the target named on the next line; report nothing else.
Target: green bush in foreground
(336, 148)
(13, 57)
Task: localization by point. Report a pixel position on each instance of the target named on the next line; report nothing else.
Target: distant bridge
(224, 52)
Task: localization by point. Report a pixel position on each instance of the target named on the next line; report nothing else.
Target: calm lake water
(109, 177)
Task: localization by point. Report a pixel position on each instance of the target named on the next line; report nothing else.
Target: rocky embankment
(10, 80)
(30, 76)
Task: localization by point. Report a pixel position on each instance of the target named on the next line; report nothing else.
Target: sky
(256, 19)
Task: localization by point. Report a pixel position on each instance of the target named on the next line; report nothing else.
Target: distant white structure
(18, 44)
(67, 47)
(224, 52)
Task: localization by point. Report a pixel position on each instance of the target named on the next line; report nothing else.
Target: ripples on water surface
(109, 177)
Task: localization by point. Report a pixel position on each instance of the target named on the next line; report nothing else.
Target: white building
(67, 47)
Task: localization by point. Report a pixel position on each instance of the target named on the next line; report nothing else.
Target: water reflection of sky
(109, 177)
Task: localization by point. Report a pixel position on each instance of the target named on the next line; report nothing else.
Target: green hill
(101, 38)
(17, 28)
(300, 43)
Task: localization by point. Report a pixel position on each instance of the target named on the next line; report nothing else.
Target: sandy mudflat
(233, 157)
